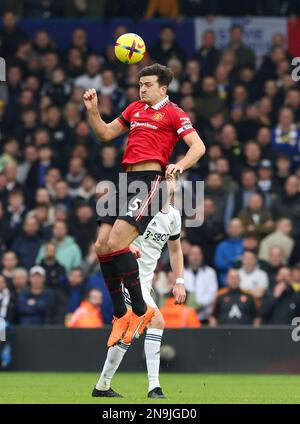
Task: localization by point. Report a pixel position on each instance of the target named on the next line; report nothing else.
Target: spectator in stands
(10, 172)
(9, 264)
(62, 195)
(6, 317)
(87, 190)
(80, 41)
(14, 216)
(192, 70)
(44, 10)
(59, 88)
(6, 304)
(74, 63)
(177, 316)
(19, 280)
(255, 217)
(208, 55)
(265, 182)
(234, 306)
(36, 175)
(84, 227)
(275, 261)
(75, 285)
(283, 171)
(92, 77)
(214, 189)
(208, 103)
(252, 279)
(110, 88)
(283, 303)
(30, 156)
(163, 9)
(33, 305)
(59, 133)
(200, 282)
(286, 135)
(42, 42)
(11, 35)
(252, 154)
(28, 243)
(55, 272)
(244, 54)
(293, 101)
(231, 147)
(222, 167)
(68, 253)
(280, 237)
(296, 277)
(263, 138)
(288, 204)
(209, 233)
(239, 200)
(75, 175)
(3, 189)
(88, 315)
(167, 47)
(2, 230)
(229, 250)
(107, 167)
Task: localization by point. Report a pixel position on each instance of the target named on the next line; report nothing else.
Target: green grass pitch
(74, 388)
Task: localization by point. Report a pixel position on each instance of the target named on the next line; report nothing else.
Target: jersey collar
(160, 104)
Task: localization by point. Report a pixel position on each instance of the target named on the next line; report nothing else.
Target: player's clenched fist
(90, 99)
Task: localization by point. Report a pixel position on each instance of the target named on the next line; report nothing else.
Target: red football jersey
(153, 131)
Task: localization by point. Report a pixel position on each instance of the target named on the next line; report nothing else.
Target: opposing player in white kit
(164, 228)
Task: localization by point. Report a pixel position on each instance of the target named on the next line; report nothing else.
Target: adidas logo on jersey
(137, 115)
(154, 224)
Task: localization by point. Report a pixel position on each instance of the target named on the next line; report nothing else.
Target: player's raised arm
(102, 130)
(176, 261)
(195, 152)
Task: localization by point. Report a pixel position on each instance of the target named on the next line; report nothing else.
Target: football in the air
(130, 48)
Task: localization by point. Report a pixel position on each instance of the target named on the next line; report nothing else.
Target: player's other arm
(102, 130)
(176, 261)
(195, 152)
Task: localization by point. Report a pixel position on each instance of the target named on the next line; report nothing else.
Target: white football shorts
(146, 292)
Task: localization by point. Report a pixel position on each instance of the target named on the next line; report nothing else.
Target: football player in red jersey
(155, 125)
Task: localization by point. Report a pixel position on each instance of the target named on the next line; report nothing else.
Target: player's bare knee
(101, 247)
(114, 242)
(157, 321)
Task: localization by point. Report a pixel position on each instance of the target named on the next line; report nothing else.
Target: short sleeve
(182, 122)
(176, 228)
(125, 116)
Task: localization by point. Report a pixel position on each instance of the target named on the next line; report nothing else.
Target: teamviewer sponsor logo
(296, 330)
(2, 330)
(134, 124)
(2, 70)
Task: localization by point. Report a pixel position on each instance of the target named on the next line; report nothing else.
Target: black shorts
(137, 198)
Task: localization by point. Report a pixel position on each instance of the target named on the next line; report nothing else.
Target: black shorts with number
(136, 199)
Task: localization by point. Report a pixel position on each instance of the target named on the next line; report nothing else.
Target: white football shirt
(163, 227)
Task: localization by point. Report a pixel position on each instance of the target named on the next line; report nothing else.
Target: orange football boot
(120, 326)
(138, 324)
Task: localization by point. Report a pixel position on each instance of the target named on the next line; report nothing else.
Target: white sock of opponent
(114, 357)
(152, 352)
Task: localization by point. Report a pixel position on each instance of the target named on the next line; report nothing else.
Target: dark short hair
(164, 74)
(236, 26)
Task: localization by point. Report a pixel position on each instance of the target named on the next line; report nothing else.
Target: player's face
(150, 91)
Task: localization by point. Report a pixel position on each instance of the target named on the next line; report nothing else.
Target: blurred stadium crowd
(242, 266)
(140, 9)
